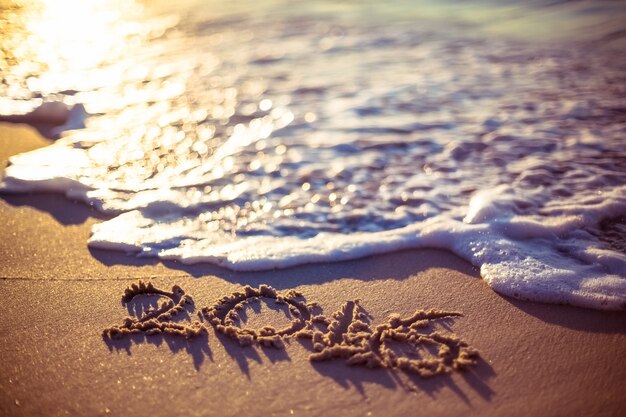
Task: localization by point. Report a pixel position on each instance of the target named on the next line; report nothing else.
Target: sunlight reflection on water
(56, 49)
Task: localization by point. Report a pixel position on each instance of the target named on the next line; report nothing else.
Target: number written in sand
(413, 344)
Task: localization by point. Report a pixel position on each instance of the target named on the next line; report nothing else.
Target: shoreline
(58, 296)
(511, 280)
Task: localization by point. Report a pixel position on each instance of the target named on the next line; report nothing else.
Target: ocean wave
(320, 139)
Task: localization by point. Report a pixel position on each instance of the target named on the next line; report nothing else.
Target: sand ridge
(413, 344)
(159, 319)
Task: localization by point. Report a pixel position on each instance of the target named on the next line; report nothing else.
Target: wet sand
(58, 296)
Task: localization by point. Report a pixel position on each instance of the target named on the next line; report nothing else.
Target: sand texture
(58, 297)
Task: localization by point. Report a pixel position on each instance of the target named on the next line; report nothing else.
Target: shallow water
(268, 136)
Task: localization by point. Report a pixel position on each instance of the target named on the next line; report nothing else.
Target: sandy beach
(58, 296)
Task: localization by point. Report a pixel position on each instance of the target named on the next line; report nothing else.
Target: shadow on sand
(198, 348)
(64, 211)
(577, 318)
(366, 269)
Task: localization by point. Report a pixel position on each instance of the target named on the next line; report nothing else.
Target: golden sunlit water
(55, 47)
